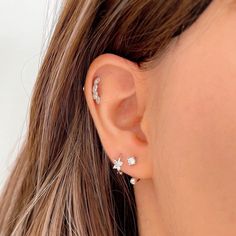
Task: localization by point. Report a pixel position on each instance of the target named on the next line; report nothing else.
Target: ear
(119, 117)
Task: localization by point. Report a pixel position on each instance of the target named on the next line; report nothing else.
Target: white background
(24, 30)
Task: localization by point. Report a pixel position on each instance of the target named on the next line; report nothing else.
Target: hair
(62, 182)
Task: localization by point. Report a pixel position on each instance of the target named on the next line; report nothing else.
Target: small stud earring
(117, 165)
(134, 180)
(96, 97)
(131, 160)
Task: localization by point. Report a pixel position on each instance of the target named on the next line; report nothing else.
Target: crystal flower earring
(117, 165)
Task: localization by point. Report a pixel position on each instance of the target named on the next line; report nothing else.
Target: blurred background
(26, 27)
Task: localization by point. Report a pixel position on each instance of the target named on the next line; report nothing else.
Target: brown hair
(62, 182)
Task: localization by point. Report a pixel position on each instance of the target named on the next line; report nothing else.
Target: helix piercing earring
(96, 97)
(131, 160)
(117, 165)
(134, 180)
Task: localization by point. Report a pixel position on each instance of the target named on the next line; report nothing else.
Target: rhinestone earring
(117, 165)
(131, 160)
(134, 180)
(96, 97)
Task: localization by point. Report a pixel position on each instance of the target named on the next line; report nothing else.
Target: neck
(148, 213)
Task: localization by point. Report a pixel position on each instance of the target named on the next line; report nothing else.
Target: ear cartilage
(131, 160)
(96, 97)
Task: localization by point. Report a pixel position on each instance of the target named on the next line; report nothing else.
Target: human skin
(179, 119)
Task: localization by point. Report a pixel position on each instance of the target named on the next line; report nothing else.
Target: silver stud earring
(134, 180)
(96, 97)
(117, 165)
(131, 160)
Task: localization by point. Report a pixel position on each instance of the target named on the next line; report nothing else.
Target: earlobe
(114, 95)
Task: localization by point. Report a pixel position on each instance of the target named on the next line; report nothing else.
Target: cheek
(194, 143)
(197, 125)
(194, 148)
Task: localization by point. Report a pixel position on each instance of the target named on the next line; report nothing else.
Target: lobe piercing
(117, 165)
(134, 180)
(131, 160)
(96, 97)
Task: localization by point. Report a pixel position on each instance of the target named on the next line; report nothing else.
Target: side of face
(178, 118)
(191, 119)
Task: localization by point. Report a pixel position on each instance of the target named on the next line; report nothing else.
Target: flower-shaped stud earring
(117, 165)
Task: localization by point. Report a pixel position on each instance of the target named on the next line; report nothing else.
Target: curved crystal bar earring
(96, 97)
